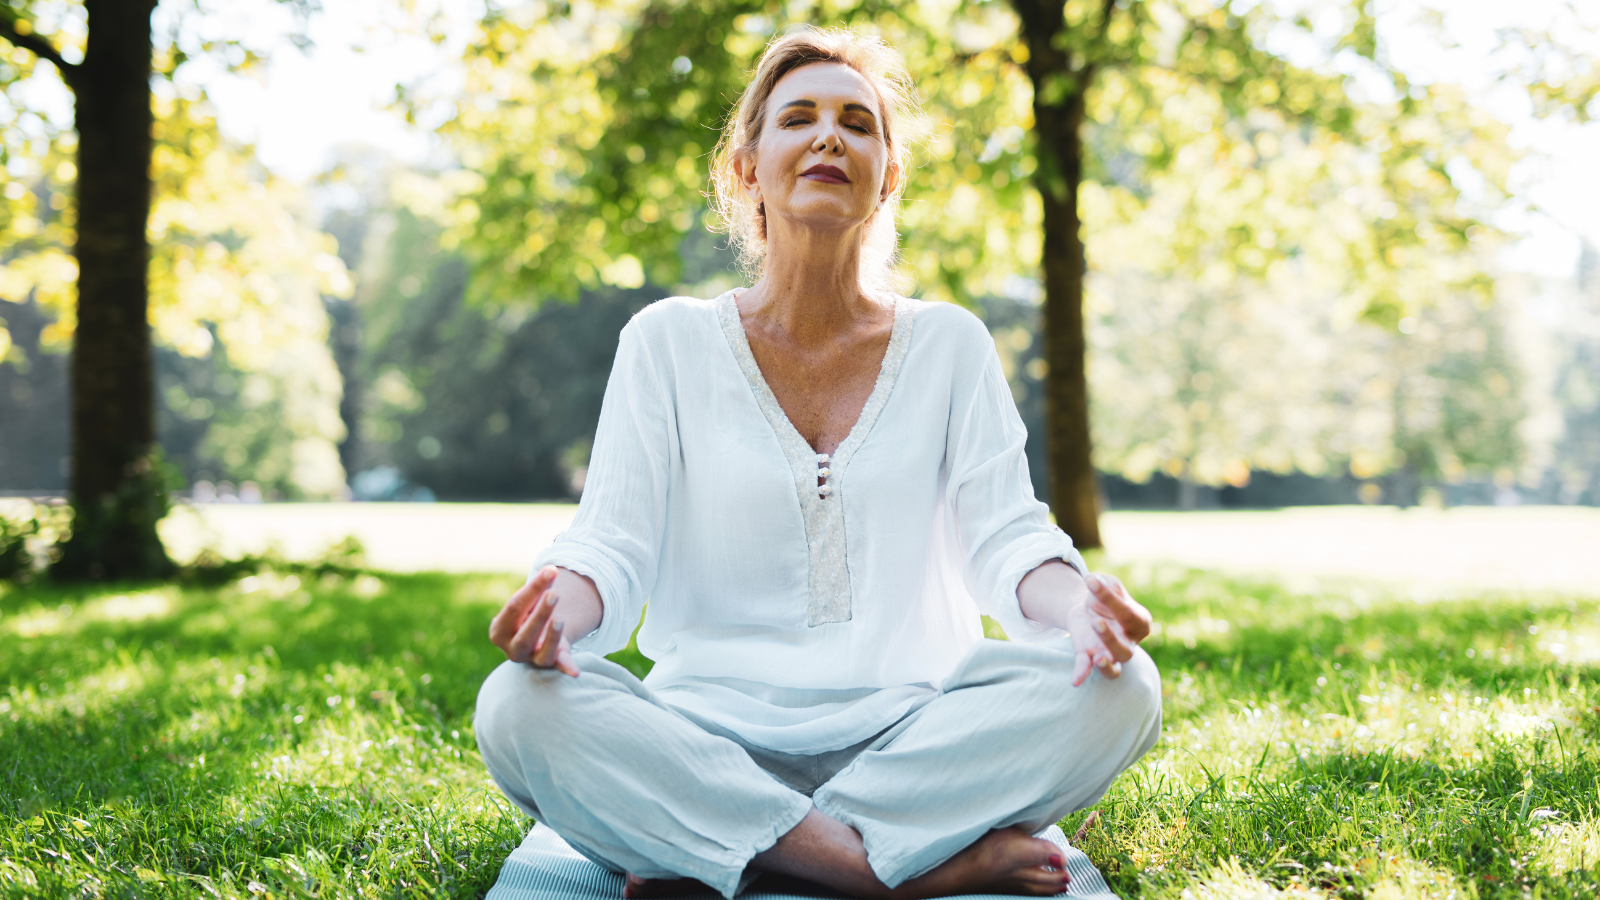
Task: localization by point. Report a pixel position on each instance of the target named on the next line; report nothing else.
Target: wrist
(1051, 593)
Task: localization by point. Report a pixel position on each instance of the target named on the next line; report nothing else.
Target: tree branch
(39, 47)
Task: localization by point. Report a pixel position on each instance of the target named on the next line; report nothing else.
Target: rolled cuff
(614, 630)
(1007, 606)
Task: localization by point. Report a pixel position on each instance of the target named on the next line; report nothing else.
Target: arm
(589, 586)
(1026, 573)
(1005, 531)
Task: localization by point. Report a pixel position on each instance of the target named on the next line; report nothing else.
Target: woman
(817, 486)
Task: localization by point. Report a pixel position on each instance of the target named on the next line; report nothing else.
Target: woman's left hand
(1106, 627)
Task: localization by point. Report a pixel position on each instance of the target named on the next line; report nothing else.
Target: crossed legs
(944, 802)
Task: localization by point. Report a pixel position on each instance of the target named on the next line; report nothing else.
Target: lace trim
(823, 513)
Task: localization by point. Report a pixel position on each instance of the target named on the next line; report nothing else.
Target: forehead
(824, 83)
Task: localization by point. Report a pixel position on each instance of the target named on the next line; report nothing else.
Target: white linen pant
(638, 786)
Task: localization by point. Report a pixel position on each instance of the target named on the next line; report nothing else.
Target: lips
(826, 175)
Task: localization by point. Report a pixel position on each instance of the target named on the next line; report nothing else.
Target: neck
(810, 287)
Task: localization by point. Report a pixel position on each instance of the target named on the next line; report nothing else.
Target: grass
(296, 735)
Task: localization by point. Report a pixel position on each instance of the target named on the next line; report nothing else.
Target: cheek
(771, 163)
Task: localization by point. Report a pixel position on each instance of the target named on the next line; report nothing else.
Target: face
(822, 161)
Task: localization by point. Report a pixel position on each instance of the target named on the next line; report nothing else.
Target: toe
(1048, 854)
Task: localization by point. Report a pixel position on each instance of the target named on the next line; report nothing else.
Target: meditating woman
(817, 486)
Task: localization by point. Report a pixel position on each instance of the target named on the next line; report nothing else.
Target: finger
(544, 652)
(1098, 585)
(1120, 606)
(1117, 645)
(564, 661)
(1080, 670)
(1108, 666)
(526, 642)
(536, 588)
(549, 646)
(511, 616)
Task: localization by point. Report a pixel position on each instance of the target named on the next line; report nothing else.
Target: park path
(1530, 547)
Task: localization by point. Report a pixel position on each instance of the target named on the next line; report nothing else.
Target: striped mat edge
(544, 867)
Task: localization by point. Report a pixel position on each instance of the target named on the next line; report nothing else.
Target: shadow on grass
(310, 737)
(313, 735)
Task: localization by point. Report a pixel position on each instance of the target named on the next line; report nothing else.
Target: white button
(822, 457)
(824, 472)
(824, 491)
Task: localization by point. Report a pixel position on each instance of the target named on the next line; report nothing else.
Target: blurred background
(1338, 254)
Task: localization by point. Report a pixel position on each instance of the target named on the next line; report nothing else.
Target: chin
(825, 215)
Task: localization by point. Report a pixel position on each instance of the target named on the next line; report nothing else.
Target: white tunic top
(805, 618)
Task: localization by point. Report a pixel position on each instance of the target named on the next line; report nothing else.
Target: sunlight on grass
(1560, 848)
(1353, 743)
(296, 734)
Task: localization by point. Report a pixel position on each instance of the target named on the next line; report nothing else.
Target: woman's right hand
(527, 629)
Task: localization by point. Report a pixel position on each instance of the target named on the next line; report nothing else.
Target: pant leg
(1007, 742)
(800, 772)
(626, 781)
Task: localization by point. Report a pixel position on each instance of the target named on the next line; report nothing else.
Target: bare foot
(1004, 861)
(636, 888)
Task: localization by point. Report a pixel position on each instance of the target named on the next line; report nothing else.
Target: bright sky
(304, 105)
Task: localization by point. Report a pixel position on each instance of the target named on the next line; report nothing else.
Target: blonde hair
(899, 112)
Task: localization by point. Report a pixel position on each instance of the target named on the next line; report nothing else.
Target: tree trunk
(344, 337)
(1058, 117)
(1188, 493)
(118, 493)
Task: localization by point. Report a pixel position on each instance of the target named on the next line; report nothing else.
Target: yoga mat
(545, 868)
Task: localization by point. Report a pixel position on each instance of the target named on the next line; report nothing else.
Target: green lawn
(300, 734)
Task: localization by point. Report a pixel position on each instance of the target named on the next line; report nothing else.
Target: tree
(117, 493)
(118, 489)
(584, 130)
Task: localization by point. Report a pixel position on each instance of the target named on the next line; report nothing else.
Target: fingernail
(558, 627)
(1116, 668)
(1100, 626)
(1055, 861)
(554, 599)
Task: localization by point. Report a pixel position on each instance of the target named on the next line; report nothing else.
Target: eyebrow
(812, 104)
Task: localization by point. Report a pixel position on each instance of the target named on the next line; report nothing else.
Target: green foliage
(1214, 174)
(472, 401)
(590, 160)
(302, 734)
(16, 560)
(233, 262)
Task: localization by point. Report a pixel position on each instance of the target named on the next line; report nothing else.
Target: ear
(891, 181)
(744, 165)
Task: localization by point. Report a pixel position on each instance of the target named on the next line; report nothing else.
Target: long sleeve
(1005, 531)
(615, 540)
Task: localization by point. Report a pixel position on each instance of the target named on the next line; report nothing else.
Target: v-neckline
(790, 436)
(821, 505)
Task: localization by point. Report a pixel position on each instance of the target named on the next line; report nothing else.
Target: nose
(827, 139)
